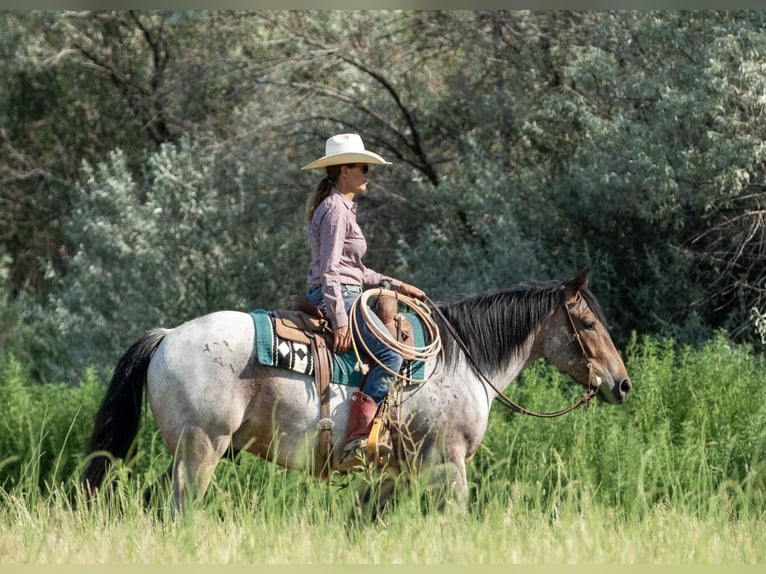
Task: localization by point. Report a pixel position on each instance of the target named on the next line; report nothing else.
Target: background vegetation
(150, 173)
(149, 163)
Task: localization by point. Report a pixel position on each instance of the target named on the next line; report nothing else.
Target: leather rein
(594, 382)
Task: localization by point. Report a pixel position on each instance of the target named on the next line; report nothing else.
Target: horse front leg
(444, 486)
(447, 486)
(438, 465)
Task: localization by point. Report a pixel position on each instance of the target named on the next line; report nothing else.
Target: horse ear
(577, 284)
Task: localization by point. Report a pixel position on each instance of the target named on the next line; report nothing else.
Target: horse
(209, 394)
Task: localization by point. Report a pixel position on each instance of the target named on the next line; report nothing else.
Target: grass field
(304, 531)
(677, 476)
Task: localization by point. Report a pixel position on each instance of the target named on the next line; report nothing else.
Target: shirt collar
(345, 200)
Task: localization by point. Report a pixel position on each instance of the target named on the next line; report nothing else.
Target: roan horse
(208, 392)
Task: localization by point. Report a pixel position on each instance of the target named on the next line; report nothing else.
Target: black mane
(495, 325)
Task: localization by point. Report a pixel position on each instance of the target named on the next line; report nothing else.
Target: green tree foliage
(527, 145)
(194, 233)
(668, 163)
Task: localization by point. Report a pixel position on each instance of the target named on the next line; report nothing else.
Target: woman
(337, 275)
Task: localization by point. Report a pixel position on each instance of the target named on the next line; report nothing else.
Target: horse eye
(589, 325)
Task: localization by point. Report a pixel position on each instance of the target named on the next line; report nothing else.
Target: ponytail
(322, 190)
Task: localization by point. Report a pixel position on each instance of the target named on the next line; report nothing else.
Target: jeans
(378, 379)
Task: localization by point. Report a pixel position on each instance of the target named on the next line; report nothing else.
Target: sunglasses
(364, 167)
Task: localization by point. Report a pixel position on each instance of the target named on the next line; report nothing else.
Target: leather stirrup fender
(325, 424)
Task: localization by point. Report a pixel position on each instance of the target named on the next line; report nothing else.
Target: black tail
(116, 423)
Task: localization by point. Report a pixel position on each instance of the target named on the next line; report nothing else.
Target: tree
(527, 144)
(730, 241)
(79, 85)
(195, 233)
(361, 84)
(639, 136)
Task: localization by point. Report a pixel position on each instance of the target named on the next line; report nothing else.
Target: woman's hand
(341, 339)
(411, 291)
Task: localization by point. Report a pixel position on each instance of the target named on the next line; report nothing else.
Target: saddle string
(501, 397)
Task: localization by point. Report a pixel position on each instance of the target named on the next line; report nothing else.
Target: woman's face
(356, 177)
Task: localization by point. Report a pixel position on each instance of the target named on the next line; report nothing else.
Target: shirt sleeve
(332, 231)
(372, 278)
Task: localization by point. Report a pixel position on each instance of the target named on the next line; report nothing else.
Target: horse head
(576, 340)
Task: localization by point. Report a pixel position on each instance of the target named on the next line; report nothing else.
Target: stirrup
(378, 443)
(354, 454)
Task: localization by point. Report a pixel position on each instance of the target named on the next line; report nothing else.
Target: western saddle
(306, 324)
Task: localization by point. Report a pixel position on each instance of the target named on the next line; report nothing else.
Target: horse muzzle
(615, 393)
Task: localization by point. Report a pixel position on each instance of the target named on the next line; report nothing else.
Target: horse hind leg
(196, 457)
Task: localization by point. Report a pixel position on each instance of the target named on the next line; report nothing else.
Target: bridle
(594, 381)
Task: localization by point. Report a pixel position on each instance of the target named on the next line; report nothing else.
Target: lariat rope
(432, 349)
(435, 348)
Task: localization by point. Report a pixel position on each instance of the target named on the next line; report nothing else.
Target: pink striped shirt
(337, 248)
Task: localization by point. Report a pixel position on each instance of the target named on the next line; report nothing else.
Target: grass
(222, 532)
(675, 476)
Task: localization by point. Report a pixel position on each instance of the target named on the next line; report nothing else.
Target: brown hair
(322, 190)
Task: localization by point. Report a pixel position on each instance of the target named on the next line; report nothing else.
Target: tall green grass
(676, 475)
(43, 427)
(692, 432)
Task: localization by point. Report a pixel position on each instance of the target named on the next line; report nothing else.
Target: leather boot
(360, 416)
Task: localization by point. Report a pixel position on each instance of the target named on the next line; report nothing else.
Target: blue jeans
(378, 379)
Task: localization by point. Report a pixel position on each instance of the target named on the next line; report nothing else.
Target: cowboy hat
(345, 148)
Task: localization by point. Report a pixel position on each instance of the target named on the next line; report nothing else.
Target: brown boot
(360, 416)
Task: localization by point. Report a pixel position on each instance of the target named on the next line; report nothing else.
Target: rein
(594, 382)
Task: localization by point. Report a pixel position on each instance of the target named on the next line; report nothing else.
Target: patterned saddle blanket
(275, 351)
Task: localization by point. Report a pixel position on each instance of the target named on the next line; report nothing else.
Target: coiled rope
(431, 349)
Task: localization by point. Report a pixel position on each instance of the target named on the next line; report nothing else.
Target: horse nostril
(625, 386)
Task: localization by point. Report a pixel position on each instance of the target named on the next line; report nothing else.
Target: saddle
(306, 324)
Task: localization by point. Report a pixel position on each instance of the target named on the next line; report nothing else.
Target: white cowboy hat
(346, 148)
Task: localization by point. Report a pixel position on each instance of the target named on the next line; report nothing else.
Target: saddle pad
(273, 351)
